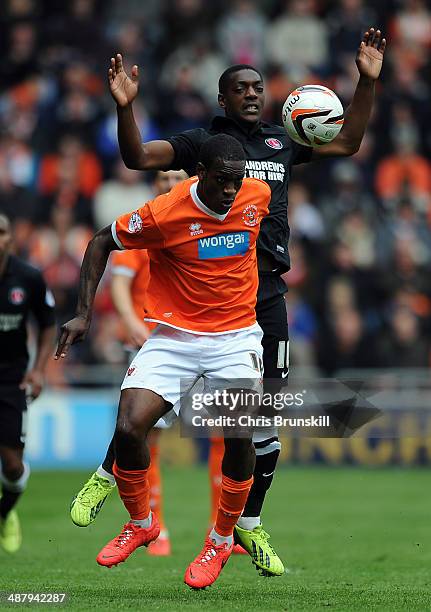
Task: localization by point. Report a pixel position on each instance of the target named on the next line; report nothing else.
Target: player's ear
(221, 101)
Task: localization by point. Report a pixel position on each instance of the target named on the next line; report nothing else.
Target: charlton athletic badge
(135, 223)
(274, 143)
(250, 215)
(16, 296)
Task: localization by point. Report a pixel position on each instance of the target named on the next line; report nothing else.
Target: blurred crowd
(359, 288)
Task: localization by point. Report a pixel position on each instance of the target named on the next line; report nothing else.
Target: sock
(134, 490)
(215, 459)
(12, 490)
(104, 474)
(232, 500)
(155, 482)
(108, 462)
(145, 523)
(263, 475)
(218, 539)
(248, 522)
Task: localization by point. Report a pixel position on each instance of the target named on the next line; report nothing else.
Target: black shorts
(271, 314)
(13, 416)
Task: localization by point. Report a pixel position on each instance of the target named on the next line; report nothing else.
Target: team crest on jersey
(250, 215)
(274, 143)
(131, 371)
(195, 229)
(16, 296)
(135, 223)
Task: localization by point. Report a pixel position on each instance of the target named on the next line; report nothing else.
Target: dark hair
(224, 80)
(220, 146)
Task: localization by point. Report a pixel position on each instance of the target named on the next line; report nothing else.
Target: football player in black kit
(22, 292)
(270, 154)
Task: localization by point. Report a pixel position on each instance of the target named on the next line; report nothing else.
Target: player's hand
(137, 333)
(124, 89)
(32, 383)
(369, 58)
(71, 332)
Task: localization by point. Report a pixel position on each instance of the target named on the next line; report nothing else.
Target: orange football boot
(206, 568)
(239, 550)
(131, 537)
(160, 547)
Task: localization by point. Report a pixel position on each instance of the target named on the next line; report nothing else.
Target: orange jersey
(136, 265)
(203, 270)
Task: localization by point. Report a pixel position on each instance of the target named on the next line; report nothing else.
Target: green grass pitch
(352, 539)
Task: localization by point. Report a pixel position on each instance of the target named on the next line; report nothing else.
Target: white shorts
(171, 361)
(131, 354)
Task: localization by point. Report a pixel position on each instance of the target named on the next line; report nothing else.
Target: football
(313, 115)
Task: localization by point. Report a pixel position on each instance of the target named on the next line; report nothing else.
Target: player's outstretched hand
(71, 332)
(124, 89)
(369, 58)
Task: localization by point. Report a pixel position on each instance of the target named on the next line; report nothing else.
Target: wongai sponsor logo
(223, 245)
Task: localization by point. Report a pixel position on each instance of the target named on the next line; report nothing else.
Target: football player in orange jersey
(130, 276)
(202, 293)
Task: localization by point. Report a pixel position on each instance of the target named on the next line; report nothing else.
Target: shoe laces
(125, 536)
(208, 553)
(89, 493)
(265, 536)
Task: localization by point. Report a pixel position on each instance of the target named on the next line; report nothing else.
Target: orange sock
(134, 490)
(233, 497)
(214, 466)
(155, 482)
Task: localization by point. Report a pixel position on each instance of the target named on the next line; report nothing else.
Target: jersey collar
(196, 199)
(219, 123)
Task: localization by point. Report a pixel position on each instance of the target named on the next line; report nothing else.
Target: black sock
(108, 462)
(8, 501)
(263, 475)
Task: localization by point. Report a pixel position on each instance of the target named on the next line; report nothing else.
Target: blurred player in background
(202, 294)
(270, 155)
(22, 293)
(130, 278)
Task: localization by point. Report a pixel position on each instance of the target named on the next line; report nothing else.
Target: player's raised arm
(153, 155)
(92, 268)
(369, 60)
